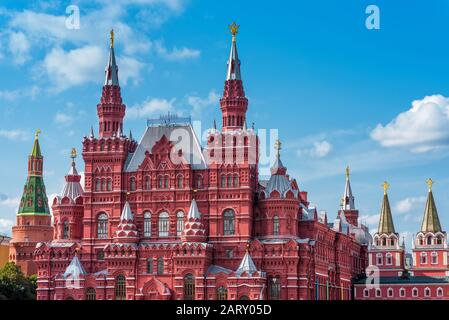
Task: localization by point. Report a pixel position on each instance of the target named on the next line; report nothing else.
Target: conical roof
(431, 221)
(246, 265)
(386, 219)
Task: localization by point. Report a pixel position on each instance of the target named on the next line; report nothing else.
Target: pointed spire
(111, 68)
(215, 124)
(431, 221)
(194, 213)
(75, 268)
(348, 199)
(91, 132)
(386, 220)
(72, 187)
(130, 135)
(278, 167)
(126, 215)
(247, 264)
(245, 127)
(233, 62)
(36, 151)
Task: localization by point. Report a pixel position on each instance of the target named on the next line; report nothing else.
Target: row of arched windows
(402, 292)
(229, 180)
(160, 265)
(103, 184)
(163, 182)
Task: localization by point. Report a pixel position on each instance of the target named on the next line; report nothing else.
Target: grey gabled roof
(247, 265)
(75, 268)
(183, 138)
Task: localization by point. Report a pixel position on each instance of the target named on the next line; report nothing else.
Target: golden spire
(348, 171)
(430, 183)
(278, 146)
(234, 28)
(386, 186)
(112, 38)
(38, 132)
(73, 154)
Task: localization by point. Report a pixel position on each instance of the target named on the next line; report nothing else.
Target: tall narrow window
(222, 293)
(223, 181)
(147, 183)
(199, 182)
(90, 294)
(276, 225)
(189, 287)
(66, 230)
(163, 224)
(120, 288)
(229, 221)
(229, 181)
(275, 288)
(180, 182)
(236, 180)
(102, 226)
(179, 223)
(97, 184)
(166, 182)
(160, 265)
(132, 184)
(150, 265)
(147, 224)
(109, 185)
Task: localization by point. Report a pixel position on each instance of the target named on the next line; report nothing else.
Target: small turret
(194, 230)
(127, 229)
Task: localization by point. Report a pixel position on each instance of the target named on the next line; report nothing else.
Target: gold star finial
(348, 171)
(430, 183)
(278, 146)
(234, 28)
(112, 38)
(386, 186)
(247, 247)
(38, 132)
(73, 154)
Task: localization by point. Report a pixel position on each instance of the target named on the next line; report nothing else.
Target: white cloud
(11, 95)
(320, 149)
(19, 47)
(176, 54)
(9, 202)
(198, 103)
(424, 127)
(62, 118)
(6, 225)
(370, 219)
(407, 204)
(15, 134)
(151, 107)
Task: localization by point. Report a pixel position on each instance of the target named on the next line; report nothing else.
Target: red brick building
(165, 218)
(392, 274)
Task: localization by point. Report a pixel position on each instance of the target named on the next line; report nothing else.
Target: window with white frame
(378, 293)
(390, 292)
(427, 292)
(423, 257)
(147, 224)
(366, 292)
(440, 292)
(434, 258)
(379, 259)
(163, 224)
(179, 223)
(415, 292)
(389, 259)
(402, 292)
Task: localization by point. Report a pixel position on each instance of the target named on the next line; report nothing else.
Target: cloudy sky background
(339, 94)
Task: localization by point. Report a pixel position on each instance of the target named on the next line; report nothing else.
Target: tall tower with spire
(430, 245)
(233, 103)
(111, 110)
(386, 252)
(33, 217)
(347, 202)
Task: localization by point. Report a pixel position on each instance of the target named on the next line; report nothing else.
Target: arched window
(97, 184)
(434, 258)
(366, 293)
(109, 185)
(163, 224)
(147, 224)
(423, 257)
(229, 181)
(440, 292)
(103, 184)
(189, 287)
(160, 265)
(120, 288)
(66, 229)
(132, 184)
(384, 241)
(147, 183)
(91, 294)
(274, 288)
(378, 293)
(439, 240)
(223, 181)
(427, 292)
(222, 293)
(199, 182)
(150, 265)
(276, 225)
(389, 259)
(390, 292)
(379, 258)
(179, 223)
(402, 292)
(166, 182)
(102, 226)
(415, 292)
(229, 221)
(180, 182)
(429, 240)
(236, 181)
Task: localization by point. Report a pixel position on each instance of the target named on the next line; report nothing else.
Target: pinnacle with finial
(234, 28)
(112, 38)
(386, 186)
(430, 183)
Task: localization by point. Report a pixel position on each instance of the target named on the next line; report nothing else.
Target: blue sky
(338, 93)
